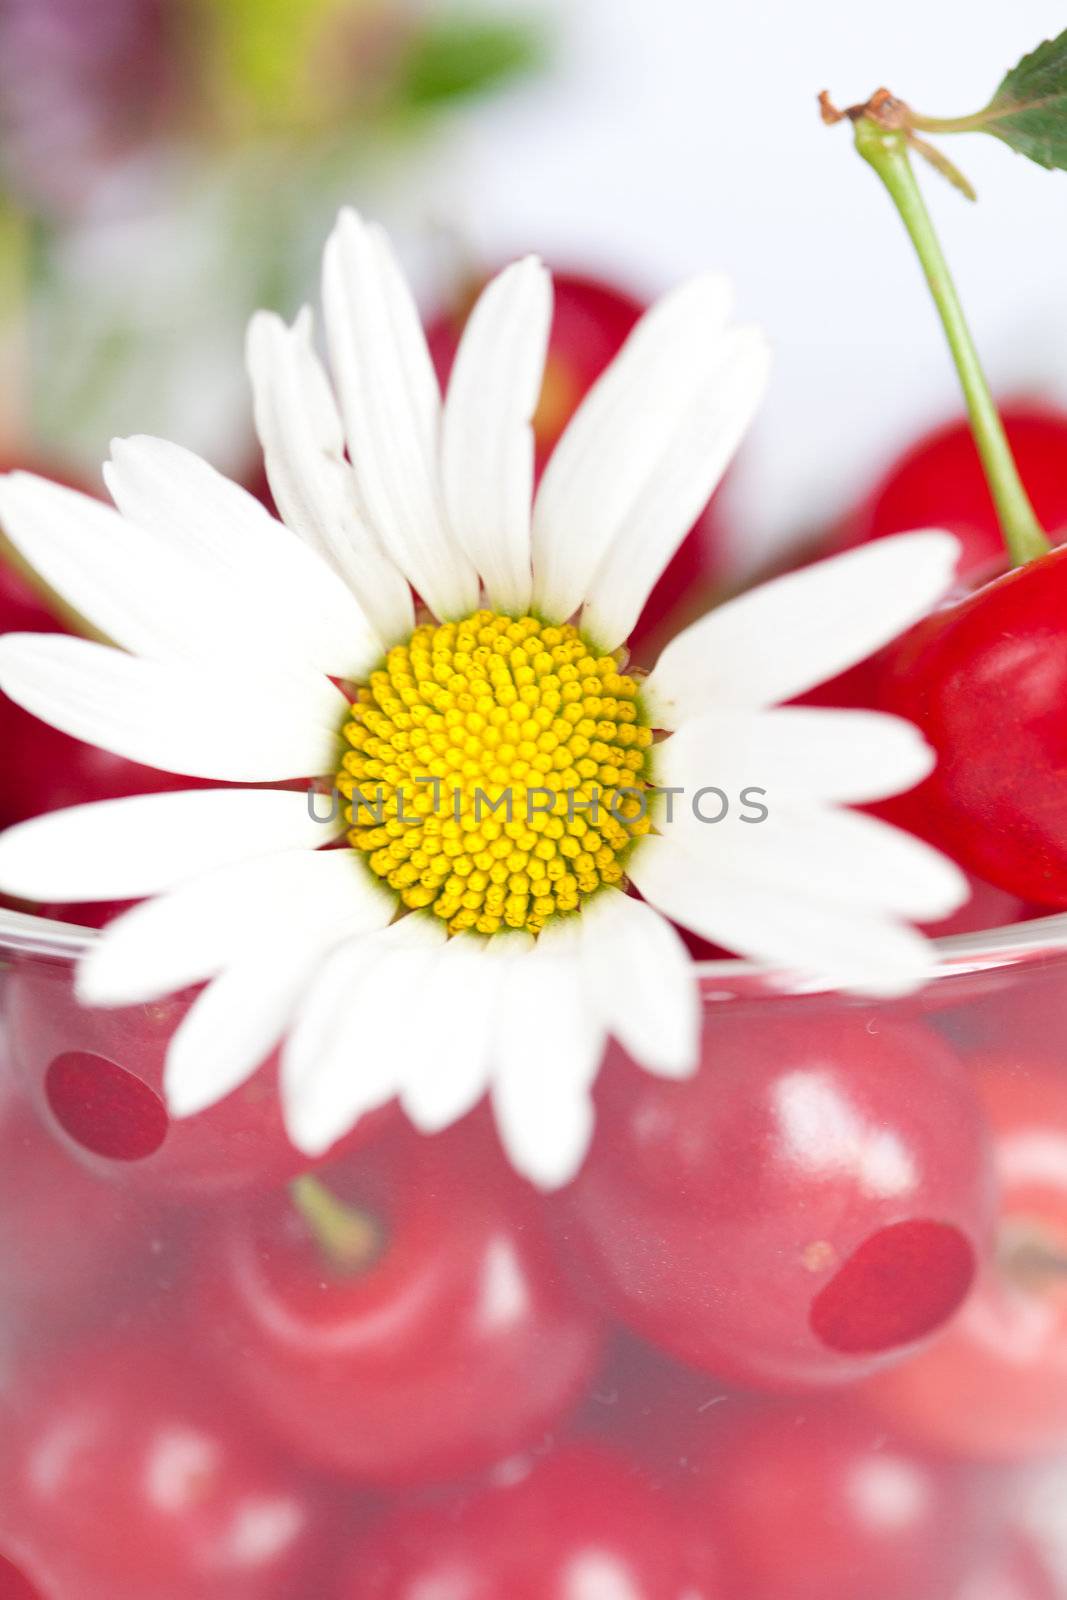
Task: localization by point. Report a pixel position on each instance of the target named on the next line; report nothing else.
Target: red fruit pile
(764, 1348)
(985, 675)
(858, 1206)
(579, 1522)
(122, 1477)
(449, 1341)
(995, 1385)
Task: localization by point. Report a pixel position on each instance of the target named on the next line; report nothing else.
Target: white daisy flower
(443, 951)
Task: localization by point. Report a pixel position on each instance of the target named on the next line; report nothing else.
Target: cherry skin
(644, 1402)
(152, 1488)
(1017, 1572)
(939, 483)
(14, 1585)
(445, 1340)
(591, 321)
(809, 1205)
(988, 907)
(580, 1523)
(985, 679)
(994, 1385)
(820, 1505)
(95, 1078)
(63, 1234)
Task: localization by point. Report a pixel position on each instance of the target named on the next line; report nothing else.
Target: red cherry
(988, 907)
(939, 483)
(123, 1476)
(803, 1210)
(45, 770)
(985, 678)
(63, 1234)
(1014, 1014)
(591, 321)
(435, 1337)
(14, 1585)
(1017, 1572)
(581, 1523)
(51, 770)
(820, 1505)
(96, 1079)
(994, 1385)
(658, 1411)
(21, 607)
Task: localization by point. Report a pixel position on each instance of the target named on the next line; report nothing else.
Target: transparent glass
(797, 1331)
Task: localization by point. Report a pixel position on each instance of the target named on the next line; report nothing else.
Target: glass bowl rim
(1029, 944)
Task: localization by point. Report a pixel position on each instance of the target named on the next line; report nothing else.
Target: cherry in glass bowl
(787, 1293)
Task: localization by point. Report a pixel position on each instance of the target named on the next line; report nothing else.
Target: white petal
(487, 445)
(824, 853)
(232, 1027)
(785, 637)
(457, 1005)
(833, 946)
(679, 484)
(314, 487)
(327, 1022)
(143, 844)
(146, 595)
(795, 753)
(616, 440)
(194, 932)
(641, 980)
(203, 722)
(548, 1049)
(284, 594)
(460, 1003)
(391, 406)
(358, 1015)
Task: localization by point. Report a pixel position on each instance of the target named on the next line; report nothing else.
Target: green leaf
(454, 57)
(1029, 110)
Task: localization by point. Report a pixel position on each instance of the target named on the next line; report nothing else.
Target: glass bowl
(797, 1331)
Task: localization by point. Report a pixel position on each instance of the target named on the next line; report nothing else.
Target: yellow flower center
(498, 771)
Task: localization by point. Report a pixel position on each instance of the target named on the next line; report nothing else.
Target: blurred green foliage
(301, 64)
(177, 164)
(462, 54)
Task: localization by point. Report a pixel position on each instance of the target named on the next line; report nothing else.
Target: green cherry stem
(349, 1239)
(972, 124)
(886, 150)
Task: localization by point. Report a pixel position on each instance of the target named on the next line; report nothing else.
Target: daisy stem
(886, 150)
(349, 1239)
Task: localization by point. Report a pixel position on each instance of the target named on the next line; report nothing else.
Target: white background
(682, 133)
